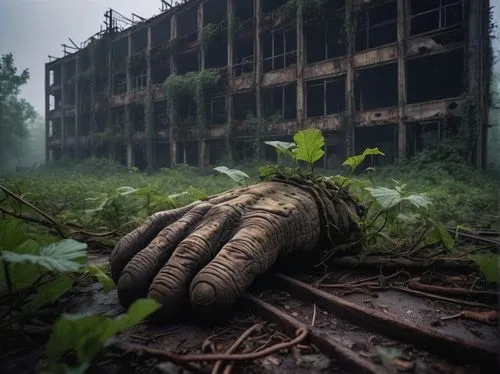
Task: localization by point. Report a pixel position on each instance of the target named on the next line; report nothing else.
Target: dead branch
(301, 334)
(371, 262)
(236, 344)
(487, 296)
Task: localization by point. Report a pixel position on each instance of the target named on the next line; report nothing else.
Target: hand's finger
(129, 245)
(137, 275)
(170, 286)
(264, 235)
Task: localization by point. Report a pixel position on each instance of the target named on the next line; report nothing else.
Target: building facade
(211, 80)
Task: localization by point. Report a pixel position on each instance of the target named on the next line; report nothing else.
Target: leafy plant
(488, 265)
(85, 335)
(236, 175)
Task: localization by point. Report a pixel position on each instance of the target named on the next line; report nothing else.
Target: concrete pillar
(201, 130)
(258, 79)
(300, 68)
(148, 109)
(112, 145)
(47, 110)
(229, 96)
(173, 69)
(401, 35)
(349, 83)
(128, 123)
(62, 111)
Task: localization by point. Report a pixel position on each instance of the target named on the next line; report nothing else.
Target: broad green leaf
(87, 334)
(386, 197)
(105, 281)
(419, 200)
(50, 292)
(12, 234)
(235, 174)
(354, 161)
(439, 234)
(65, 255)
(310, 144)
(22, 275)
(488, 265)
(282, 147)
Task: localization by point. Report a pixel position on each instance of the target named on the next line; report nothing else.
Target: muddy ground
(376, 346)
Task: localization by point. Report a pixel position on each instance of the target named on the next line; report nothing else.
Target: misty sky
(34, 29)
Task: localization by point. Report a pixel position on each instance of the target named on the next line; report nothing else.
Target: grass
(85, 193)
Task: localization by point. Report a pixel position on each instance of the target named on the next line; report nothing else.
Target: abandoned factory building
(208, 81)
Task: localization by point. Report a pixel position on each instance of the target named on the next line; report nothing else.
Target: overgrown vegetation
(181, 89)
(51, 218)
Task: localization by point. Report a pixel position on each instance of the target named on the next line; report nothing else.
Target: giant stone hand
(206, 254)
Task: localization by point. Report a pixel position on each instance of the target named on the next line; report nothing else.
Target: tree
(15, 112)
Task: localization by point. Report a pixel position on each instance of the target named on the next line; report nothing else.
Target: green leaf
(50, 292)
(65, 255)
(105, 281)
(439, 234)
(354, 161)
(282, 147)
(419, 200)
(235, 174)
(386, 197)
(488, 265)
(267, 170)
(310, 144)
(12, 234)
(87, 334)
(196, 193)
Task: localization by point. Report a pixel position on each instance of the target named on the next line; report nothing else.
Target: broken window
(243, 10)
(51, 77)
(325, 96)
(214, 11)
(422, 136)
(376, 26)
(52, 102)
(435, 77)
(120, 51)
(71, 70)
(160, 70)
(376, 87)
(160, 31)
(434, 15)
(216, 53)
(244, 106)
(279, 50)
(187, 22)
(324, 41)
(137, 116)
(119, 84)
(280, 103)
(187, 62)
(160, 118)
(270, 5)
(218, 113)
(139, 40)
(243, 56)
(139, 79)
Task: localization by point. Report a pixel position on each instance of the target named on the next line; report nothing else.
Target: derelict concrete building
(210, 80)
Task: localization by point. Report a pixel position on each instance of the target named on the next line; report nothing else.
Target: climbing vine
(181, 89)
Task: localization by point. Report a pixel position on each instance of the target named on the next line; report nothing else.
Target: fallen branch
(29, 205)
(458, 292)
(437, 297)
(301, 334)
(236, 344)
(429, 339)
(371, 262)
